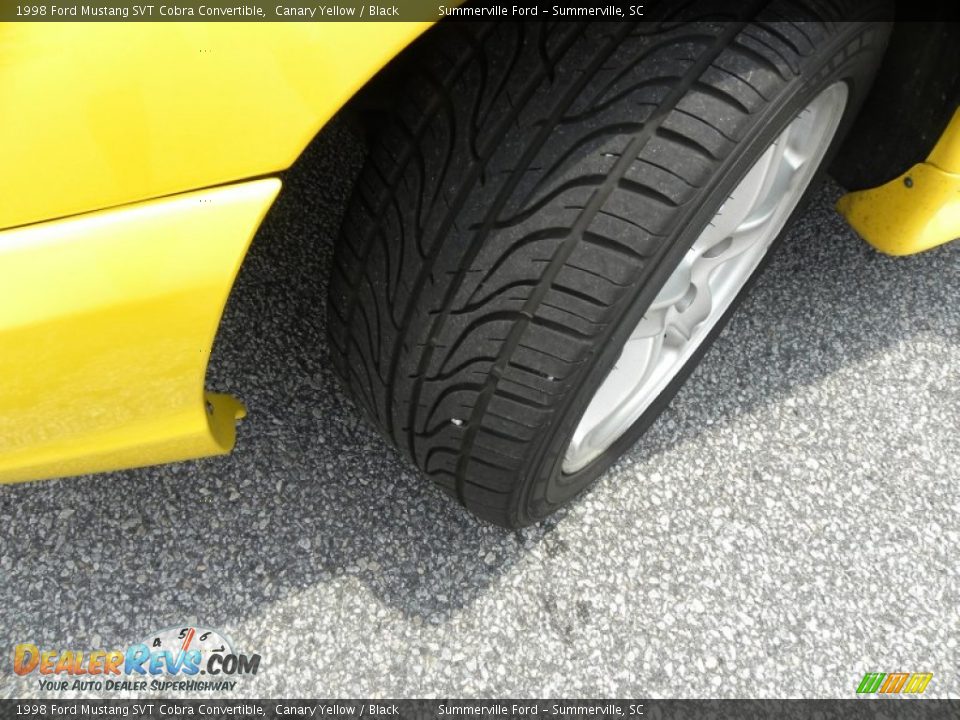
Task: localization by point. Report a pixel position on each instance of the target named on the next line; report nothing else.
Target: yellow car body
(138, 160)
(115, 262)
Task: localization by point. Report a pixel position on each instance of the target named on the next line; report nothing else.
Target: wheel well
(915, 93)
(913, 97)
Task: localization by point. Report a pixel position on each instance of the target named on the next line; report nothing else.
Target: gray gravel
(790, 523)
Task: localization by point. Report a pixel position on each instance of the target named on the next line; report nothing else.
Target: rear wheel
(556, 221)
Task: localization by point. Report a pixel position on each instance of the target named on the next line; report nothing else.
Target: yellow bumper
(106, 329)
(918, 210)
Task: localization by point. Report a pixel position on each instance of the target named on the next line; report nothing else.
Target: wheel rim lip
(597, 429)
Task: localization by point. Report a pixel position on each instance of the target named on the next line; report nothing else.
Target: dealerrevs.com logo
(183, 659)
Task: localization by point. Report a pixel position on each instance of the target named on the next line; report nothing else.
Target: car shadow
(312, 495)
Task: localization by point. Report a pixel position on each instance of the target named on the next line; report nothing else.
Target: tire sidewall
(852, 56)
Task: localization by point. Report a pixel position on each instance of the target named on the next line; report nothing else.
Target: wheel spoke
(689, 314)
(652, 324)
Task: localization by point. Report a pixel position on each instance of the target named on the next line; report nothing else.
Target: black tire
(521, 207)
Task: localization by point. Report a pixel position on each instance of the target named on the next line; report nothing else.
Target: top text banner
(304, 11)
(417, 10)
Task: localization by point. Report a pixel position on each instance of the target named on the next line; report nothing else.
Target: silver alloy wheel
(708, 278)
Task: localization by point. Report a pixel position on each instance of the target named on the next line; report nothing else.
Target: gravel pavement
(790, 523)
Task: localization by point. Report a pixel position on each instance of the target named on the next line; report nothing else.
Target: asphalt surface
(790, 523)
